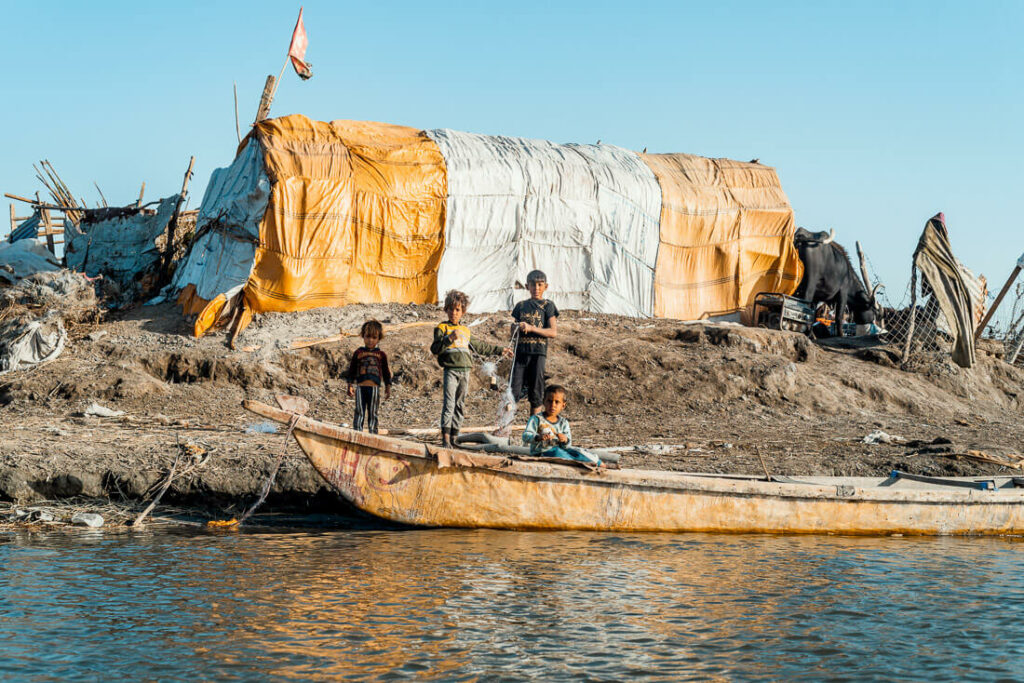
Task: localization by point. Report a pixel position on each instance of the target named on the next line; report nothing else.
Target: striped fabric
(347, 211)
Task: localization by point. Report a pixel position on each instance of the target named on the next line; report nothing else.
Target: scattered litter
(97, 335)
(479, 321)
(31, 515)
(261, 428)
(878, 436)
(250, 349)
(89, 519)
(27, 343)
(96, 410)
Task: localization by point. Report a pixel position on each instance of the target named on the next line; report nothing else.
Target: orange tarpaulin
(356, 215)
(726, 234)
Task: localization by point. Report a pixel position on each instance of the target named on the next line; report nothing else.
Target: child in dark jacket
(453, 346)
(366, 372)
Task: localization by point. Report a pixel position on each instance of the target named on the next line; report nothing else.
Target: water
(468, 605)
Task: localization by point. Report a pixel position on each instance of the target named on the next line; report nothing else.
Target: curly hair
(454, 297)
(372, 327)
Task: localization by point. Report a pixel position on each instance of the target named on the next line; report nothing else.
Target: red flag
(297, 50)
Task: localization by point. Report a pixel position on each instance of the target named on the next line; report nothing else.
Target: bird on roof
(755, 161)
(598, 142)
(645, 151)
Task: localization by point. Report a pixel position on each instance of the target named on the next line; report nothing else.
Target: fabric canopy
(326, 214)
(726, 234)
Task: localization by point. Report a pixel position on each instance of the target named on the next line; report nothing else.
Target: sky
(876, 115)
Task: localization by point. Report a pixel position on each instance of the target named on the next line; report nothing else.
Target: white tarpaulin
(587, 215)
(23, 344)
(228, 226)
(23, 258)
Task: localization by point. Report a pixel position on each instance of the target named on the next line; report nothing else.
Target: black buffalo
(829, 277)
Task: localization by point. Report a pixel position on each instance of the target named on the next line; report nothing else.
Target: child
(452, 346)
(368, 369)
(537, 321)
(547, 433)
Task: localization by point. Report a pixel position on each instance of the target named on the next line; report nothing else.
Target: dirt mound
(693, 397)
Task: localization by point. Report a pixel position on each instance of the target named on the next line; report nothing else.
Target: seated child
(547, 433)
(366, 372)
(453, 345)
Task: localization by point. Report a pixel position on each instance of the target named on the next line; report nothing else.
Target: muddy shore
(688, 397)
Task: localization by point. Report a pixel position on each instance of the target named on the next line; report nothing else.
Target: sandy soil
(690, 397)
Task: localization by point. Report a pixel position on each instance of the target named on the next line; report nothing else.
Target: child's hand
(525, 327)
(562, 438)
(351, 390)
(387, 392)
(507, 353)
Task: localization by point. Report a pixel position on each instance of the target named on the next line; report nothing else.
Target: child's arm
(485, 348)
(351, 374)
(441, 341)
(385, 370)
(530, 432)
(565, 437)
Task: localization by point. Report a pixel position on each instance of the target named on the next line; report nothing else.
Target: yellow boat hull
(418, 484)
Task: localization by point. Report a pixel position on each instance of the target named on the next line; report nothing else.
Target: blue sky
(876, 115)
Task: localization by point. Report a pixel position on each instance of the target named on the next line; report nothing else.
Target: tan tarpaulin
(944, 273)
(726, 234)
(356, 214)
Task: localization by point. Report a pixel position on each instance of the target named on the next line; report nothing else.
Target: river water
(492, 605)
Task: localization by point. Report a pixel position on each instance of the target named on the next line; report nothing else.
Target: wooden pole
(913, 313)
(142, 191)
(999, 299)
(169, 250)
(105, 205)
(863, 267)
(238, 130)
(263, 111)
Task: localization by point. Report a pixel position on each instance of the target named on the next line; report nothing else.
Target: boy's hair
(552, 389)
(536, 276)
(453, 297)
(371, 327)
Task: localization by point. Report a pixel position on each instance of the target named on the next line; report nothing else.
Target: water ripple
(470, 605)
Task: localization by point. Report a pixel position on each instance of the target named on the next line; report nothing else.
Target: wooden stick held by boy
(453, 345)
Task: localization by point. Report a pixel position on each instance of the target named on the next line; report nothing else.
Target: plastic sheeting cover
(356, 215)
(228, 227)
(121, 247)
(23, 258)
(726, 234)
(587, 215)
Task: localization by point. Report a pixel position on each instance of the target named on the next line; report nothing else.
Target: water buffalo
(830, 277)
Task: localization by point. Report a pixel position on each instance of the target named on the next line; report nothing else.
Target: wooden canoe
(425, 485)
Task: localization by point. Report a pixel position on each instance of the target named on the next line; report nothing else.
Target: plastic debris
(878, 436)
(261, 428)
(89, 519)
(96, 410)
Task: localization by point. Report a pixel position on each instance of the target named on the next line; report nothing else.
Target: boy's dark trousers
(528, 378)
(367, 403)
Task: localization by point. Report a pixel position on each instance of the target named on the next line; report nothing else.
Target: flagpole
(287, 59)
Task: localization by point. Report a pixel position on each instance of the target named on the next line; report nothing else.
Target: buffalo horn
(831, 236)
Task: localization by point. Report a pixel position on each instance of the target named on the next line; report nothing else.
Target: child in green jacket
(453, 345)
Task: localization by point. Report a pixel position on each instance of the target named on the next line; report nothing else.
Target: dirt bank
(693, 397)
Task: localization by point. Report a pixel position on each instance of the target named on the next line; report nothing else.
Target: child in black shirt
(366, 372)
(536, 319)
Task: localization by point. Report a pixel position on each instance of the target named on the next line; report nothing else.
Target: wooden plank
(263, 111)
